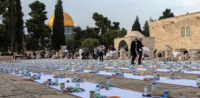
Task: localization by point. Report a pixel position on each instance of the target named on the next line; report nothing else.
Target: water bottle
(39, 75)
(154, 76)
(77, 86)
(101, 84)
(75, 75)
(198, 81)
(121, 72)
(153, 88)
(145, 91)
(60, 72)
(97, 92)
(56, 81)
(108, 82)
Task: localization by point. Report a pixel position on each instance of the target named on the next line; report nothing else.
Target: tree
(4, 25)
(38, 31)
(166, 14)
(108, 37)
(58, 37)
(19, 38)
(103, 23)
(12, 22)
(116, 26)
(146, 29)
(80, 35)
(105, 32)
(90, 43)
(136, 26)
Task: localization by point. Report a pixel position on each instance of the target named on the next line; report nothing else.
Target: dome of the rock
(68, 21)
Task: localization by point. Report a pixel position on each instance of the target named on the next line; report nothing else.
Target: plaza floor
(18, 87)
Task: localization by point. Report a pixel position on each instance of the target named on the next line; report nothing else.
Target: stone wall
(147, 42)
(167, 32)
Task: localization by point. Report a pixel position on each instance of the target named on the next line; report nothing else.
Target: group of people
(136, 50)
(98, 52)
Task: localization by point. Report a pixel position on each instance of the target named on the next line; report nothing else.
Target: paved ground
(18, 87)
(177, 91)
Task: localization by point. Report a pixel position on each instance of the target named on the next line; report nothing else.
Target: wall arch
(123, 44)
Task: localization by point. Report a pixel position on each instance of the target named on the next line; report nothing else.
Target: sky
(123, 11)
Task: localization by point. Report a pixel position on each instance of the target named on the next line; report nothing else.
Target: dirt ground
(18, 87)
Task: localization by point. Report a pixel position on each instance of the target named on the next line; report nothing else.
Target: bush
(90, 43)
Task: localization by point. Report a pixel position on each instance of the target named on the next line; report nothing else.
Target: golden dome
(68, 21)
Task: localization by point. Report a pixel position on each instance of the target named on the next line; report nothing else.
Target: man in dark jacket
(133, 50)
(139, 50)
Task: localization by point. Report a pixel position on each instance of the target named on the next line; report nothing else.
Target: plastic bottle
(77, 86)
(75, 75)
(108, 82)
(101, 84)
(39, 75)
(198, 81)
(154, 76)
(145, 91)
(97, 92)
(121, 72)
(153, 88)
(56, 81)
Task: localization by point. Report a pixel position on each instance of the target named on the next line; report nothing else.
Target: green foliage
(108, 37)
(104, 33)
(166, 14)
(136, 26)
(146, 29)
(11, 26)
(19, 38)
(38, 31)
(4, 25)
(58, 37)
(80, 35)
(102, 22)
(69, 41)
(90, 43)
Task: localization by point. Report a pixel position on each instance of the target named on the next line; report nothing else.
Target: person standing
(81, 53)
(66, 52)
(139, 50)
(133, 51)
(101, 53)
(95, 54)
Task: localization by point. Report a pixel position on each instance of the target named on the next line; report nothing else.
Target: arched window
(182, 31)
(188, 30)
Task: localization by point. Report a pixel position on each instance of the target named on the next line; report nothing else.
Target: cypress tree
(12, 22)
(146, 29)
(58, 37)
(19, 28)
(136, 26)
(5, 39)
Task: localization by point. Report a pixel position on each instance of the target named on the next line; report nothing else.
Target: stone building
(68, 23)
(181, 32)
(125, 42)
